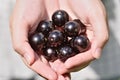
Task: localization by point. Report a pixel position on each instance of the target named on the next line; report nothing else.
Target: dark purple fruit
(37, 41)
(81, 42)
(71, 43)
(83, 27)
(76, 50)
(45, 27)
(60, 17)
(65, 52)
(72, 28)
(50, 53)
(55, 38)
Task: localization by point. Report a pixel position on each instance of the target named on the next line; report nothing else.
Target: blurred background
(106, 68)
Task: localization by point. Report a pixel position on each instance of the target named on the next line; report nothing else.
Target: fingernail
(97, 53)
(27, 58)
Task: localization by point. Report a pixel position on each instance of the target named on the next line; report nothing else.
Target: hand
(26, 16)
(22, 25)
(93, 15)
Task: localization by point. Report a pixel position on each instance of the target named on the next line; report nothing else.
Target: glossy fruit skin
(59, 38)
(45, 27)
(50, 53)
(65, 51)
(81, 42)
(37, 41)
(72, 28)
(60, 17)
(71, 43)
(55, 38)
(83, 27)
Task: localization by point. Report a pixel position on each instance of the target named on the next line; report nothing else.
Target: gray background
(106, 68)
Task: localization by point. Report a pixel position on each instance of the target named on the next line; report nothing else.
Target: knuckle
(17, 47)
(106, 38)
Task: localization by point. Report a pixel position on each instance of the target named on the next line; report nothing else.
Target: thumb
(101, 34)
(20, 42)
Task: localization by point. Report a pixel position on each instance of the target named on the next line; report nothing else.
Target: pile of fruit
(59, 38)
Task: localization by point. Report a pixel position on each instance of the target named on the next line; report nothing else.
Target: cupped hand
(26, 16)
(28, 13)
(92, 13)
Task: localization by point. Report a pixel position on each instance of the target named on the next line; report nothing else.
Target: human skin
(93, 14)
(25, 17)
(28, 13)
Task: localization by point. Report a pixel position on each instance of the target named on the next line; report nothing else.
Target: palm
(85, 11)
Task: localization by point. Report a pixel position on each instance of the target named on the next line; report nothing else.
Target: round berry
(72, 28)
(60, 17)
(45, 27)
(65, 52)
(71, 43)
(83, 27)
(81, 42)
(55, 38)
(50, 53)
(37, 40)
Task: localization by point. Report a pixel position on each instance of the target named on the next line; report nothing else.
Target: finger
(80, 60)
(64, 76)
(67, 76)
(44, 60)
(58, 66)
(99, 22)
(42, 69)
(60, 77)
(21, 45)
(80, 67)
